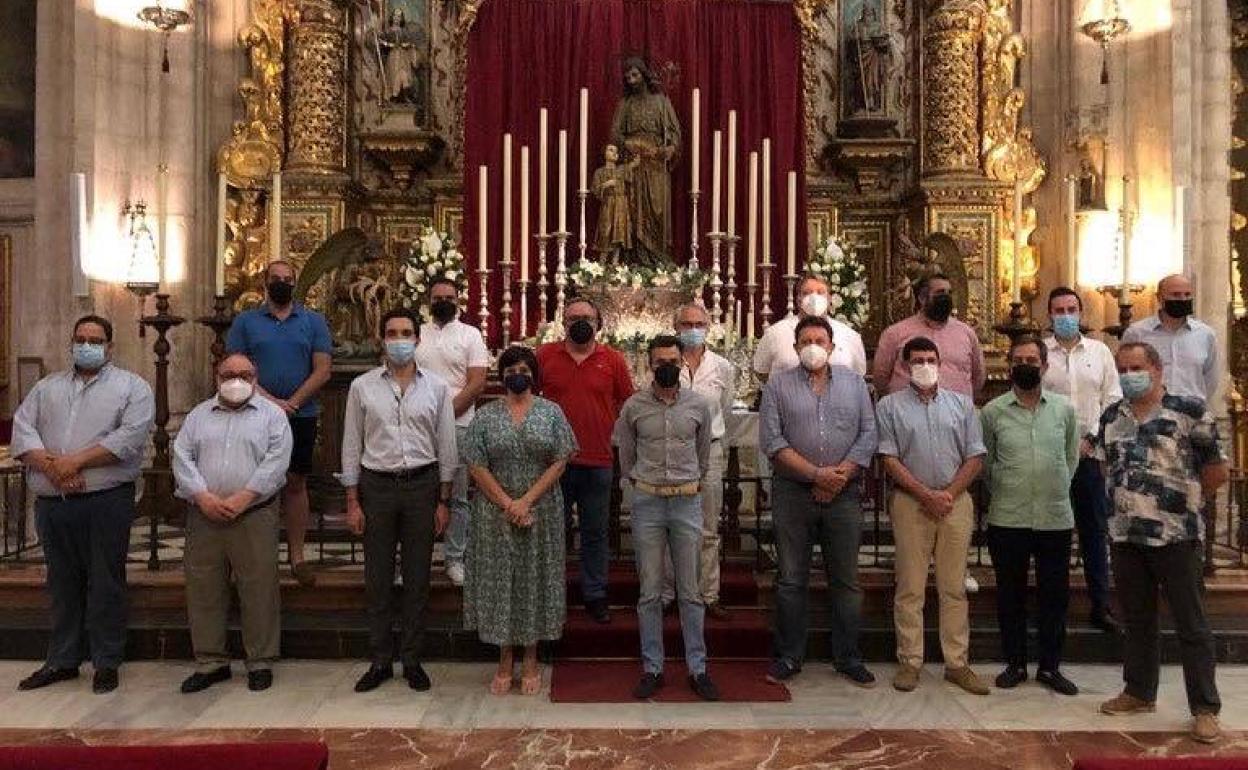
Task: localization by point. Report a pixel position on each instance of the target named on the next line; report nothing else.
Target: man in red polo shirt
(590, 382)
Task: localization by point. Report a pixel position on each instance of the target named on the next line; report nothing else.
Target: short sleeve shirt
(450, 351)
(282, 349)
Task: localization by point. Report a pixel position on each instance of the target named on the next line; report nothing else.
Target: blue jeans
(1091, 504)
(589, 490)
(459, 508)
(800, 522)
(660, 524)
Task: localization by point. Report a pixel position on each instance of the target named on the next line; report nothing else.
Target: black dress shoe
(198, 681)
(373, 677)
(648, 686)
(1057, 683)
(1103, 621)
(104, 680)
(704, 687)
(858, 675)
(260, 679)
(416, 677)
(46, 676)
(599, 610)
(1011, 677)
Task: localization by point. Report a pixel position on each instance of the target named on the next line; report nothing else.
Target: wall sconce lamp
(166, 17)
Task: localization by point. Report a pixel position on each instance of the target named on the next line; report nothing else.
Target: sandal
(501, 684)
(531, 685)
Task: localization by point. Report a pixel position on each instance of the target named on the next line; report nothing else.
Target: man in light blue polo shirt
(292, 349)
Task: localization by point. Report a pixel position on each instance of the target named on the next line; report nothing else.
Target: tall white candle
(78, 231)
(483, 191)
(751, 244)
(524, 214)
(563, 180)
(543, 153)
(219, 257)
(275, 219)
(717, 150)
(583, 140)
(732, 172)
(695, 139)
(765, 202)
(1018, 241)
(1072, 231)
(791, 239)
(507, 200)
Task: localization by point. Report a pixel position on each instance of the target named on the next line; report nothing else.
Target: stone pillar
(951, 87)
(317, 65)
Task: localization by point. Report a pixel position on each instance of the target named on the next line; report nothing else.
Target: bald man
(1188, 347)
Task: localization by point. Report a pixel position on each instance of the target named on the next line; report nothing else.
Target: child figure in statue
(614, 238)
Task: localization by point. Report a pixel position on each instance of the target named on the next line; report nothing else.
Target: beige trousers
(919, 541)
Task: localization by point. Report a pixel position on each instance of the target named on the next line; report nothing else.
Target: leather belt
(687, 489)
(128, 485)
(262, 504)
(404, 473)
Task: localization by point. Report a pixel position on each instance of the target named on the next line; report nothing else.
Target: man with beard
(1188, 348)
(454, 351)
(961, 357)
(291, 347)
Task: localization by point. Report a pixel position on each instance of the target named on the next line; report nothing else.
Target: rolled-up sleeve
(26, 436)
(185, 459)
(128, 440)
(624, 438)
(770, 424)
(448, 451)
(352, 436)
(270, 475)
(974, 432)
(704, 438)
(863, 449)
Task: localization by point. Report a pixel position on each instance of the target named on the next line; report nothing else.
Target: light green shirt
(1032, 456)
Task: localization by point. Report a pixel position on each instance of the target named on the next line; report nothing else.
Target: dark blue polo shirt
(282, 350)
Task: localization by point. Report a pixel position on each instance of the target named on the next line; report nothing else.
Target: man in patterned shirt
(1161, 461)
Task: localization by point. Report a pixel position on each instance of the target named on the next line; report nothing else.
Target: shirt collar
(71, 373)
(385, 372)
(1012, 397)
(295, 309)
(1055, 344)
(219, 406)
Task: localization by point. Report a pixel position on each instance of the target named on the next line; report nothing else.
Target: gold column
(318, 74)
(951, 87)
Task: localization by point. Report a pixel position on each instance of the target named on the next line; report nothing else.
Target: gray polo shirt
(663, 443)
(933, 438)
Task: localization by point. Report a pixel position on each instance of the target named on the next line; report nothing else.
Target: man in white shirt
(775, 352)
(454, 351)
(1083, 370)
(1188, 348)
(713, 377)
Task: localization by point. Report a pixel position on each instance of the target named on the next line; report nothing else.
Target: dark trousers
(1012, 551)
(1091, 504)
(398, 512)
(800, 522)
(85, 539)
(1176, 569)
(588, 489)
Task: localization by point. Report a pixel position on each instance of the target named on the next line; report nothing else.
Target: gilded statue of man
(645, 126)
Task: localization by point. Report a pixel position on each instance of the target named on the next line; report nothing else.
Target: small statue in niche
(1091, 187)
(404, 57)
(611, 183)
(869, 57)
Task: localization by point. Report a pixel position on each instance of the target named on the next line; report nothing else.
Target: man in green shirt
(1032, 438)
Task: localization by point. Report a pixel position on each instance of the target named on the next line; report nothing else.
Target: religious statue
(1091, 187)
(247, 251)
(610, 186)
(645, 125)
(404, 56)
(870, 53)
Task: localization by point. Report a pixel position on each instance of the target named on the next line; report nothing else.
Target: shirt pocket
(843, 418)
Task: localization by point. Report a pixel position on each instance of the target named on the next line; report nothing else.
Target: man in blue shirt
(292, 350)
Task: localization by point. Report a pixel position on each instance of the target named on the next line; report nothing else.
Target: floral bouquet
(434, 255)
(591, 276)
(846, 276)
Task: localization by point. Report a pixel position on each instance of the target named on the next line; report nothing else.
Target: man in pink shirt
(961, 357)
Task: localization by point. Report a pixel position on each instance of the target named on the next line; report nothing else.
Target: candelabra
(543, 278)
(766, 269)
(581, 195)
(1019, 324)
(561, 271)
(717, 282)
(730, 285)
(790, 287)
(505, 277)
(751, 291)
(158, 483)
(220, 321)
(483, 314)
(1124, 308)
(693, 229)
(524, 308)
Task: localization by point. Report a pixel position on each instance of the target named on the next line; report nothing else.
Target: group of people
(1119, 446)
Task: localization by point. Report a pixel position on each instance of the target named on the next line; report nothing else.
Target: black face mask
(939, 308)
(444, 311)
(581, 331)
(280, 292)
(1177, 308)
(667, 375)
(517, 382)
(1025, 376)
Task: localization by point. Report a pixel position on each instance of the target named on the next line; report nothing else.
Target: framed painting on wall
(17, 89)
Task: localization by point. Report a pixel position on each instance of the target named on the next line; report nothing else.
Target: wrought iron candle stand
(158, 484)
(219, 322)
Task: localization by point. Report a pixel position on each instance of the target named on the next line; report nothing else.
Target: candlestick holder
(582, 195)
(1018, 325)
(790, 288)
(766, 269)
(483, 313)
(561, 271)
(717, 282)
(505, 278)
(1124, 308)
(730, 284)
(158, 479)
(751, 292)
(220, 321)
(524, 308)
(693, 229)
(543, 278)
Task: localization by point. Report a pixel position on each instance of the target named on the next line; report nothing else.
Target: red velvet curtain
(528, 54)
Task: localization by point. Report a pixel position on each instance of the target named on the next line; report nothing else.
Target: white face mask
(925, 376)
(236, 391)
(813, 357)
(815, 305)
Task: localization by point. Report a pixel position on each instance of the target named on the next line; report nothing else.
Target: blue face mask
(400, 352)
(1135, 384)
(1066, 326)
(693, 338)
(88, 356)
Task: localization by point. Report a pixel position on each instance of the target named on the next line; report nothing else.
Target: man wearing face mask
(1163, 461)
(590, 382)
(1083, 370)
(229, 460)
(1188, 347)
(456, 352)
(775, 350)
(1032, 437)
(961, 357)
(292, 349)
(81, 434)
(817, 426)
(664, 436)
(398, 464)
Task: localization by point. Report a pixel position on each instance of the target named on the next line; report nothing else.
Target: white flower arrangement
(587, 274)
(433, 255)
(848, 294)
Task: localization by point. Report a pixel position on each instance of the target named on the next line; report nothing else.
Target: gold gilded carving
(318, 62)
(810, 14)
(254, 151)
(459, 42)
(951, 87)
(247, 251)
(1008, 151)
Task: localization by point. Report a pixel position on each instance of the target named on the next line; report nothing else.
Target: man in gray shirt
(81, 434)
(664, 437)
(230, 461)
(817, 426)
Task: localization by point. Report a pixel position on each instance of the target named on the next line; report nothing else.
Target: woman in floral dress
(516, 450)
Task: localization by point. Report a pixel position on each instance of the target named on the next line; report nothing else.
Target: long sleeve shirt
(1087, 375)
(824, 428)
(223, 450)
(65, 413)
(716, 381)
(388, 429)
(662, 443)
(1189, 355)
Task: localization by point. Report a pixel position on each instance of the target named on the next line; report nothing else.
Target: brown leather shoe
(1125, 703)
(717, 611)
(968, 680)
(906, 679)
(302, 572)
(1205, 728)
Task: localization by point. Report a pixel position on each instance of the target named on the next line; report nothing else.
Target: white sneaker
(972, 585)
(455, 571)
